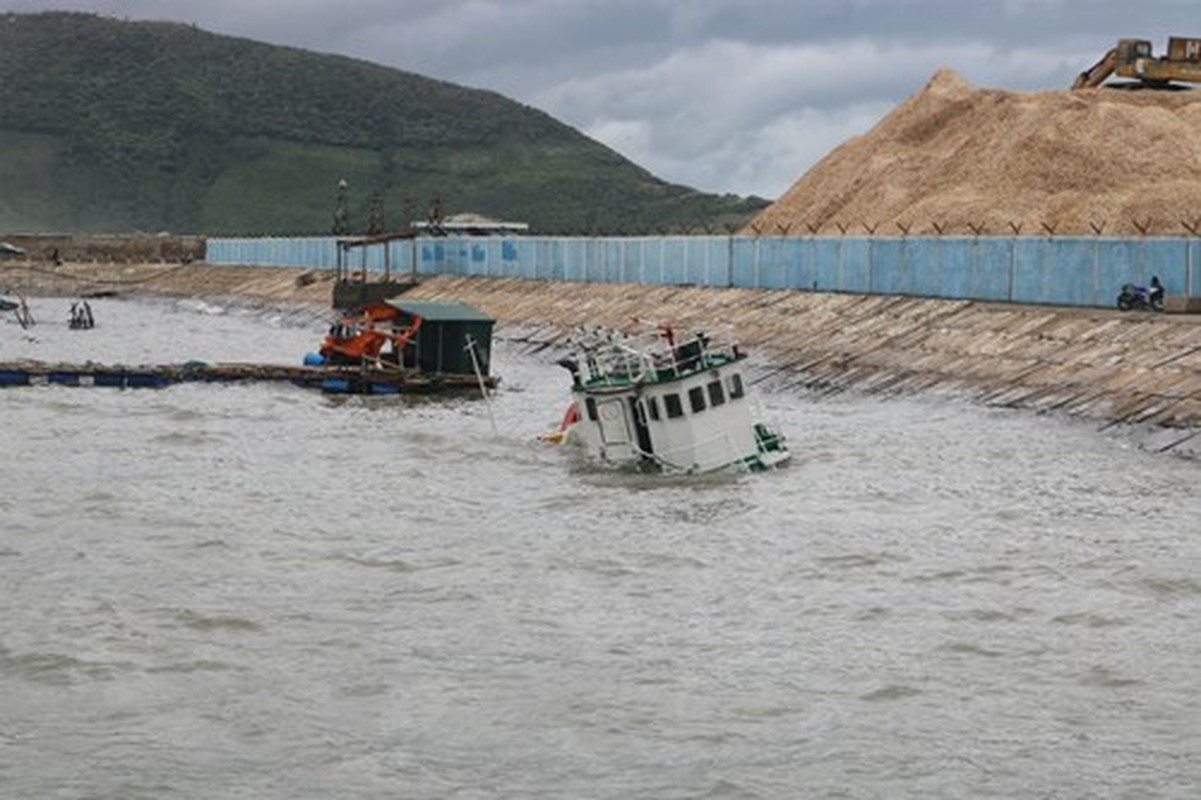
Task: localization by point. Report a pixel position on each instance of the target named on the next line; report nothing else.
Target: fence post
(730, 259)
(1188, 268)
(1013, 265)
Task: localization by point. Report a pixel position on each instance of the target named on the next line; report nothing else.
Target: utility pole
(341, 213)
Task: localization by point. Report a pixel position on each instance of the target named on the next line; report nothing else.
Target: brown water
(258, 591)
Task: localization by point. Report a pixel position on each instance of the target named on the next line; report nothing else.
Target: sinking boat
(657, 402)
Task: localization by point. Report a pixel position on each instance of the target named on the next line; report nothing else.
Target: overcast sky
(736, 96)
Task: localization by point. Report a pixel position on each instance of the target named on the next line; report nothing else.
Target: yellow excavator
(1132, 58)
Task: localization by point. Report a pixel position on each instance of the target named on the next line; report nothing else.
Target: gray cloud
(723, 95)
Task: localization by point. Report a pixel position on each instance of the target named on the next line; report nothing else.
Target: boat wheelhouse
(658, 403)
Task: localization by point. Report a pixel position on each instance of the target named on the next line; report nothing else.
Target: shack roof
(440, 311)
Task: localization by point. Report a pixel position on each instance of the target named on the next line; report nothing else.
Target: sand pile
(958, 159)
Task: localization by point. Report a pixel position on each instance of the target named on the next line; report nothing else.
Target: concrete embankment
(1115, 367)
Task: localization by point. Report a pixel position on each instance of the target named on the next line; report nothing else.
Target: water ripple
(215, 622)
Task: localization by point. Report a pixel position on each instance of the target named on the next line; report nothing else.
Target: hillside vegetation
(111, 126)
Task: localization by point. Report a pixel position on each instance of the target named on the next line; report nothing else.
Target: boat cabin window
(735, 385)
(672, 405)
(717, 395)
(652, 407)
(590, 407)
(696, 399)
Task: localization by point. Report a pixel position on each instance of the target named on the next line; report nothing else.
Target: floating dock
(337, 380)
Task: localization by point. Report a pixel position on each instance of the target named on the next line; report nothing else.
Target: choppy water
(261, 592)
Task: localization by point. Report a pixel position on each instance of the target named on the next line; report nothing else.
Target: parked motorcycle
(1142, 298)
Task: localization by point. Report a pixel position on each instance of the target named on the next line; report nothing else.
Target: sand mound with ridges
(958, 159)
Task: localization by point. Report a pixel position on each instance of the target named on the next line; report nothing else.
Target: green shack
(443, 342)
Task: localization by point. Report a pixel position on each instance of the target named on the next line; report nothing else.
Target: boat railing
(617, 365)
(614, 357)
(767, 439)
(611, 357)
(700, 350)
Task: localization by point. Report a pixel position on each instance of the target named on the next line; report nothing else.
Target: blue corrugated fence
(1062, 270)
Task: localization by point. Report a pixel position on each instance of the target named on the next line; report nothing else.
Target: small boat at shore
(658, 403)
(20, 310)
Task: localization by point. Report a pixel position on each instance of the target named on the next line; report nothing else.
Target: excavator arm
(1095, 75)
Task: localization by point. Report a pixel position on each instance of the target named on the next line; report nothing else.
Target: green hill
(112, 126)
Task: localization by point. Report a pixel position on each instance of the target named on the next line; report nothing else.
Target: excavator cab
(1129, 50)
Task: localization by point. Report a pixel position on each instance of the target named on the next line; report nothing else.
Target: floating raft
(338, 380)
